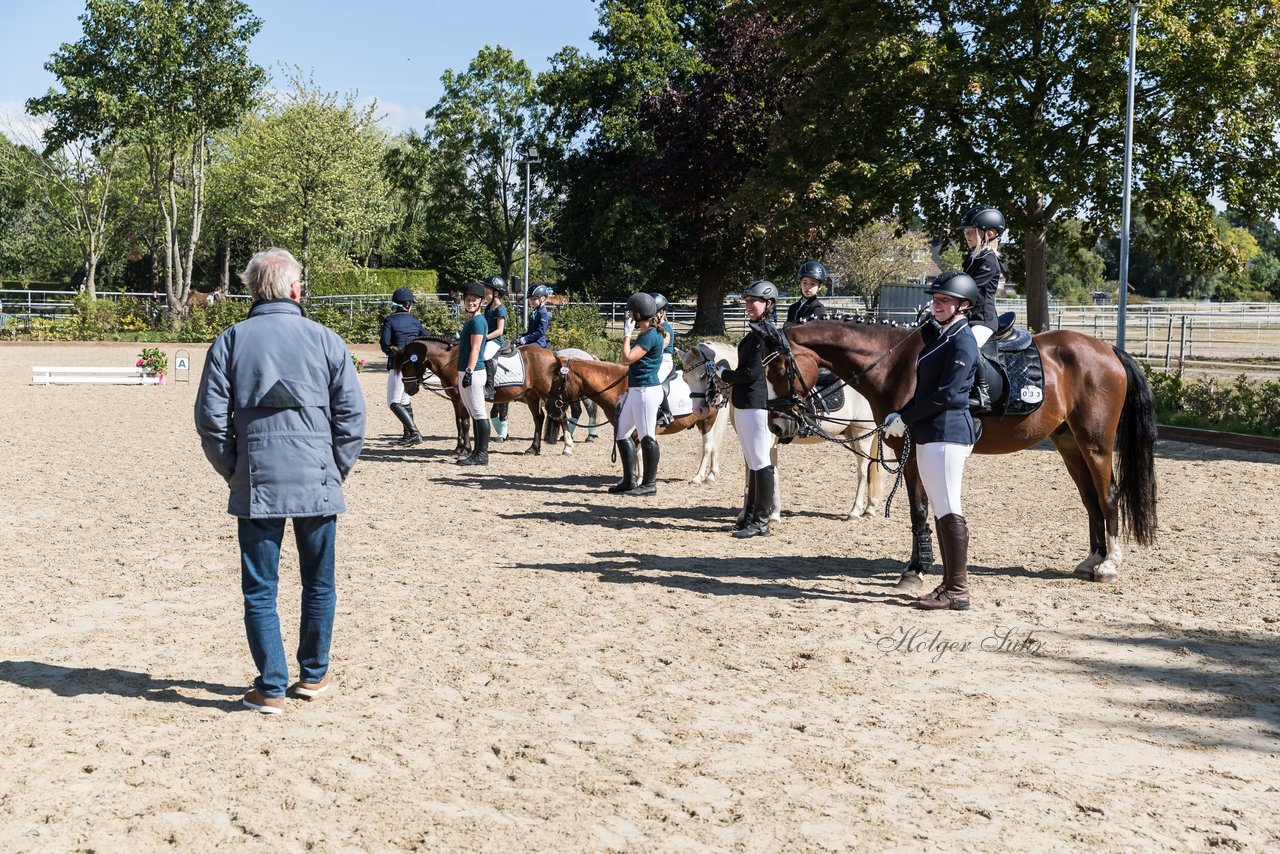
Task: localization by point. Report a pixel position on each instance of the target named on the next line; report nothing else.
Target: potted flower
(356, 361)
(153, 362)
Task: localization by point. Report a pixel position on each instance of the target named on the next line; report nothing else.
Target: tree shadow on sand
(778, 577)
(1226, 675)
(75, 681)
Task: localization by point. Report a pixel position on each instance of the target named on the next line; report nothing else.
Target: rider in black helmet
(812, 277)
(471, 389)
(639, 413)
(750, 397)
(399, 328)
(983, 226)
(539, 318)
(942, 429)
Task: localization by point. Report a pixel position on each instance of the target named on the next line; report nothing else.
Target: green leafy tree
(876, 255)
(471, 148)
(1073, 269)
(33, 244)
(165, 74)
(306, 172)
(1027, 113)
(611, 234)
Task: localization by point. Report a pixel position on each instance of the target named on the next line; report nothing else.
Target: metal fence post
(1182, 345)
(1168, 344)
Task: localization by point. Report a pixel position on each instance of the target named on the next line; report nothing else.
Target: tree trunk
(225, 279)
(1033, 248)
(712, 285)
(306, 260)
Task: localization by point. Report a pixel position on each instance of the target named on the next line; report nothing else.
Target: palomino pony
(1097, 410)
(853, 425)
(604, 382)
(439, 356)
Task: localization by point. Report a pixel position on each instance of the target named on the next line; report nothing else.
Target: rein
(859, 376)
(714, 395)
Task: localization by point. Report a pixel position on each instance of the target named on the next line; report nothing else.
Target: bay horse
(436, 355)
(604, 382)
(1097, 410)
(854, 424)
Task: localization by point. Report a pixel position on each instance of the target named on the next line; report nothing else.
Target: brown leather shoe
(263, 704)
(310, 690)
(944, 600)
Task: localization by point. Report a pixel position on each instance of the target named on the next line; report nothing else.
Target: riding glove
(894, 425)
(466, 378)
(628, 328)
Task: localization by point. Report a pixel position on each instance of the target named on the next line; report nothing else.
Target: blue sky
(394, 50)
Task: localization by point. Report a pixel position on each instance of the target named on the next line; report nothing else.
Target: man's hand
(893, 425)
(628, 328)
(721, 367)
(466, 378)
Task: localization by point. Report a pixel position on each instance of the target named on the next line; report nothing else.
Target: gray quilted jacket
(280, 414)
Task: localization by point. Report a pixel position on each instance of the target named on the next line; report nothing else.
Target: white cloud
(395, 118)
(20, 127)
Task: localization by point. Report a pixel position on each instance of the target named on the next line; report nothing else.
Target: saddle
(830, 391)
(507, 349)
(1010, 377)
(677, 395)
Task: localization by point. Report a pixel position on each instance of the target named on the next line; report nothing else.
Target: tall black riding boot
(626, 453)
(402, 412)
(489, 377)
(953, 595)
(481, 455)
(649, 451)
(749, 506)
(758, 525)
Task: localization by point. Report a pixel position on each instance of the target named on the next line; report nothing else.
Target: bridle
(714, 394)
(558, 400)
(804, 409)
(426, 371)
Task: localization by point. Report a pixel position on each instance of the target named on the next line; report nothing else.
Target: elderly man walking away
(281, 417)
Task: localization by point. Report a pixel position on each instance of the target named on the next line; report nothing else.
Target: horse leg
(708, 451)
(567, 432)
(462, 420)
(912, 578)
(1079, 469)
(861, 469)
(535, 406)
(592, 423)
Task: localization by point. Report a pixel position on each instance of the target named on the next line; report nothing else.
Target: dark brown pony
(1098, 411)
(439, 356)
(604, 382)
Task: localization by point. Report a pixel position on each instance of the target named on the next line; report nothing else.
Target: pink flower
(139, 365)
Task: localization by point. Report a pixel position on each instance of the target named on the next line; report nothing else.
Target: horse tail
(1135, 454)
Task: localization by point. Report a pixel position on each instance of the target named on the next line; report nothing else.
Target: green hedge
(360, 280)
(1241, 406)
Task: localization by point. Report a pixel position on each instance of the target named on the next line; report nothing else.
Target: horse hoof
(532, 452)
(589, 439)
(568, 452)
(910, 582)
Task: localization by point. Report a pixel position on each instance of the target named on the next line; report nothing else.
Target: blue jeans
(260, 580)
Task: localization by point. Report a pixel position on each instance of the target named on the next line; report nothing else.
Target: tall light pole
(1123, 299)
(530, 157)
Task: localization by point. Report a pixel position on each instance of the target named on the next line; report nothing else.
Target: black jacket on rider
(804, 310)
(399, 329)
(750, 389)
(985, 269)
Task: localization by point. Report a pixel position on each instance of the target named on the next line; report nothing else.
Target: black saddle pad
(1025, 373)
(830, 390)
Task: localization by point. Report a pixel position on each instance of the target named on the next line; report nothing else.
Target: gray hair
(269, 274)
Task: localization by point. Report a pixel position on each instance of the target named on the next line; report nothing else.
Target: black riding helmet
(761, 289)
(497, 284)
(984, 217)
(660, 300)
(955, 284)
(644, 305)
(539, 292)
(402, 297)
(475, 289)
(812, 270)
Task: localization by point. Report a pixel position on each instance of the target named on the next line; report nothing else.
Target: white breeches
(982, 333)
(752, 426)
(395, 389)
(664, 370)
(490, 350)
(941, 467)
(473, 395)
(639, 413)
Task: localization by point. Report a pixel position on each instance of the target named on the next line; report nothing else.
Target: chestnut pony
(433, 354)
(1098, 411)
(604, 382)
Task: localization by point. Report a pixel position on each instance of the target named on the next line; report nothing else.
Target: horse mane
(437, 339)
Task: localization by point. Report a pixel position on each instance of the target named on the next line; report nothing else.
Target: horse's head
(791, 372)
(699, 364)
(565, 388)
(421, 358)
